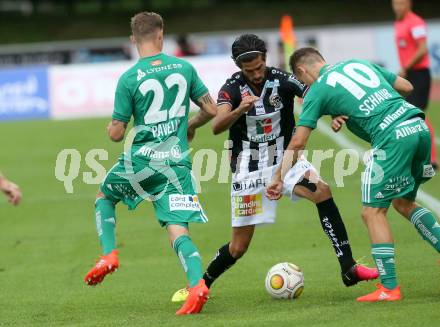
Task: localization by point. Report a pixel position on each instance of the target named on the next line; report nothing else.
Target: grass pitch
(49, 242)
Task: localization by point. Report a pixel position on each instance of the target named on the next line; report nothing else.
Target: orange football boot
(198, 295)
(106, 265)
(381, 294)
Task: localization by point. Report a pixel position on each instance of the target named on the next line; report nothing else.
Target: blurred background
(61, 59)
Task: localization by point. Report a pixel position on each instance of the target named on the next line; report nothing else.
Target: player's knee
(366, 214)
(404, 207)
(323, 192)
(369, 213)
(237, 250)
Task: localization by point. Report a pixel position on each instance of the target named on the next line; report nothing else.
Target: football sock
(334, 227)
(427, 226)
(221, 262)
(105, 224)
(190, 258)
(383, 256)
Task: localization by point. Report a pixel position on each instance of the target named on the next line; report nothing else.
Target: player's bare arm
(207, 111)
(11, 190)
(116, 130)
(403, 86)
(290, 157)
(226, 117)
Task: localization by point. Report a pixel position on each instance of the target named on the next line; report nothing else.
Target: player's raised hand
(11, 190)
(274, 190)
(338, 122)
(247, 103)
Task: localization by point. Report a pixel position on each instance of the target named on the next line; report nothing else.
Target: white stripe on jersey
(280, 149)
(244, 158)
(263, 155)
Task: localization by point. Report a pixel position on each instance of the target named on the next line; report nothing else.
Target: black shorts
(421, 80)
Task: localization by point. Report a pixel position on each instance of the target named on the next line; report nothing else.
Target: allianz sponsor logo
(184, 202)
(410, 130)
(147, 151)
(22, 96)
(389, 119)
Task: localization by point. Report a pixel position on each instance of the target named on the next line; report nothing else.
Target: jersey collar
(151, 57)
(323, 69)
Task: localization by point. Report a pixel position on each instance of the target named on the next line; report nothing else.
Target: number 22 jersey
(156, 92)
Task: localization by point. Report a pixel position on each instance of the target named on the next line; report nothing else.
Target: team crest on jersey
(276, 101)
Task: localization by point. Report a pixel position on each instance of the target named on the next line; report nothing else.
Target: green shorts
(170, 188)
(398, 165)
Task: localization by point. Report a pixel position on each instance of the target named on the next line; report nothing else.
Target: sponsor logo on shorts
(248, 205)
(379, 195)
(396, 184)
(249, 184)
(184, 202)
(428, 171)
(410, 130)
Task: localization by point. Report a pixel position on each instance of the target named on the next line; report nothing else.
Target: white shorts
(249, 204)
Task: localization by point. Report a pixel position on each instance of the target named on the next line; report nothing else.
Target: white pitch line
(437, 140)
(344, 142)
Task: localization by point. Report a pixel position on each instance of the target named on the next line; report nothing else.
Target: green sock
(105, 224)
(190, 258)
(383, 255)
(427, 226)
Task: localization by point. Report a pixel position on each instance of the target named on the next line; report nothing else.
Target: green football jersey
(156, 92)
(362, 91)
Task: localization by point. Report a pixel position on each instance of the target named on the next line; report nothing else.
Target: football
(285, 281)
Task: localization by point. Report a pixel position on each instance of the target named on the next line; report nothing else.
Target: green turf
(49, 242)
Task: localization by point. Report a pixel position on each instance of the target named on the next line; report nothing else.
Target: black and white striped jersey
(259, 138)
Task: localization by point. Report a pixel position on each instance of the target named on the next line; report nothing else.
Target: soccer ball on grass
(285, 281)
